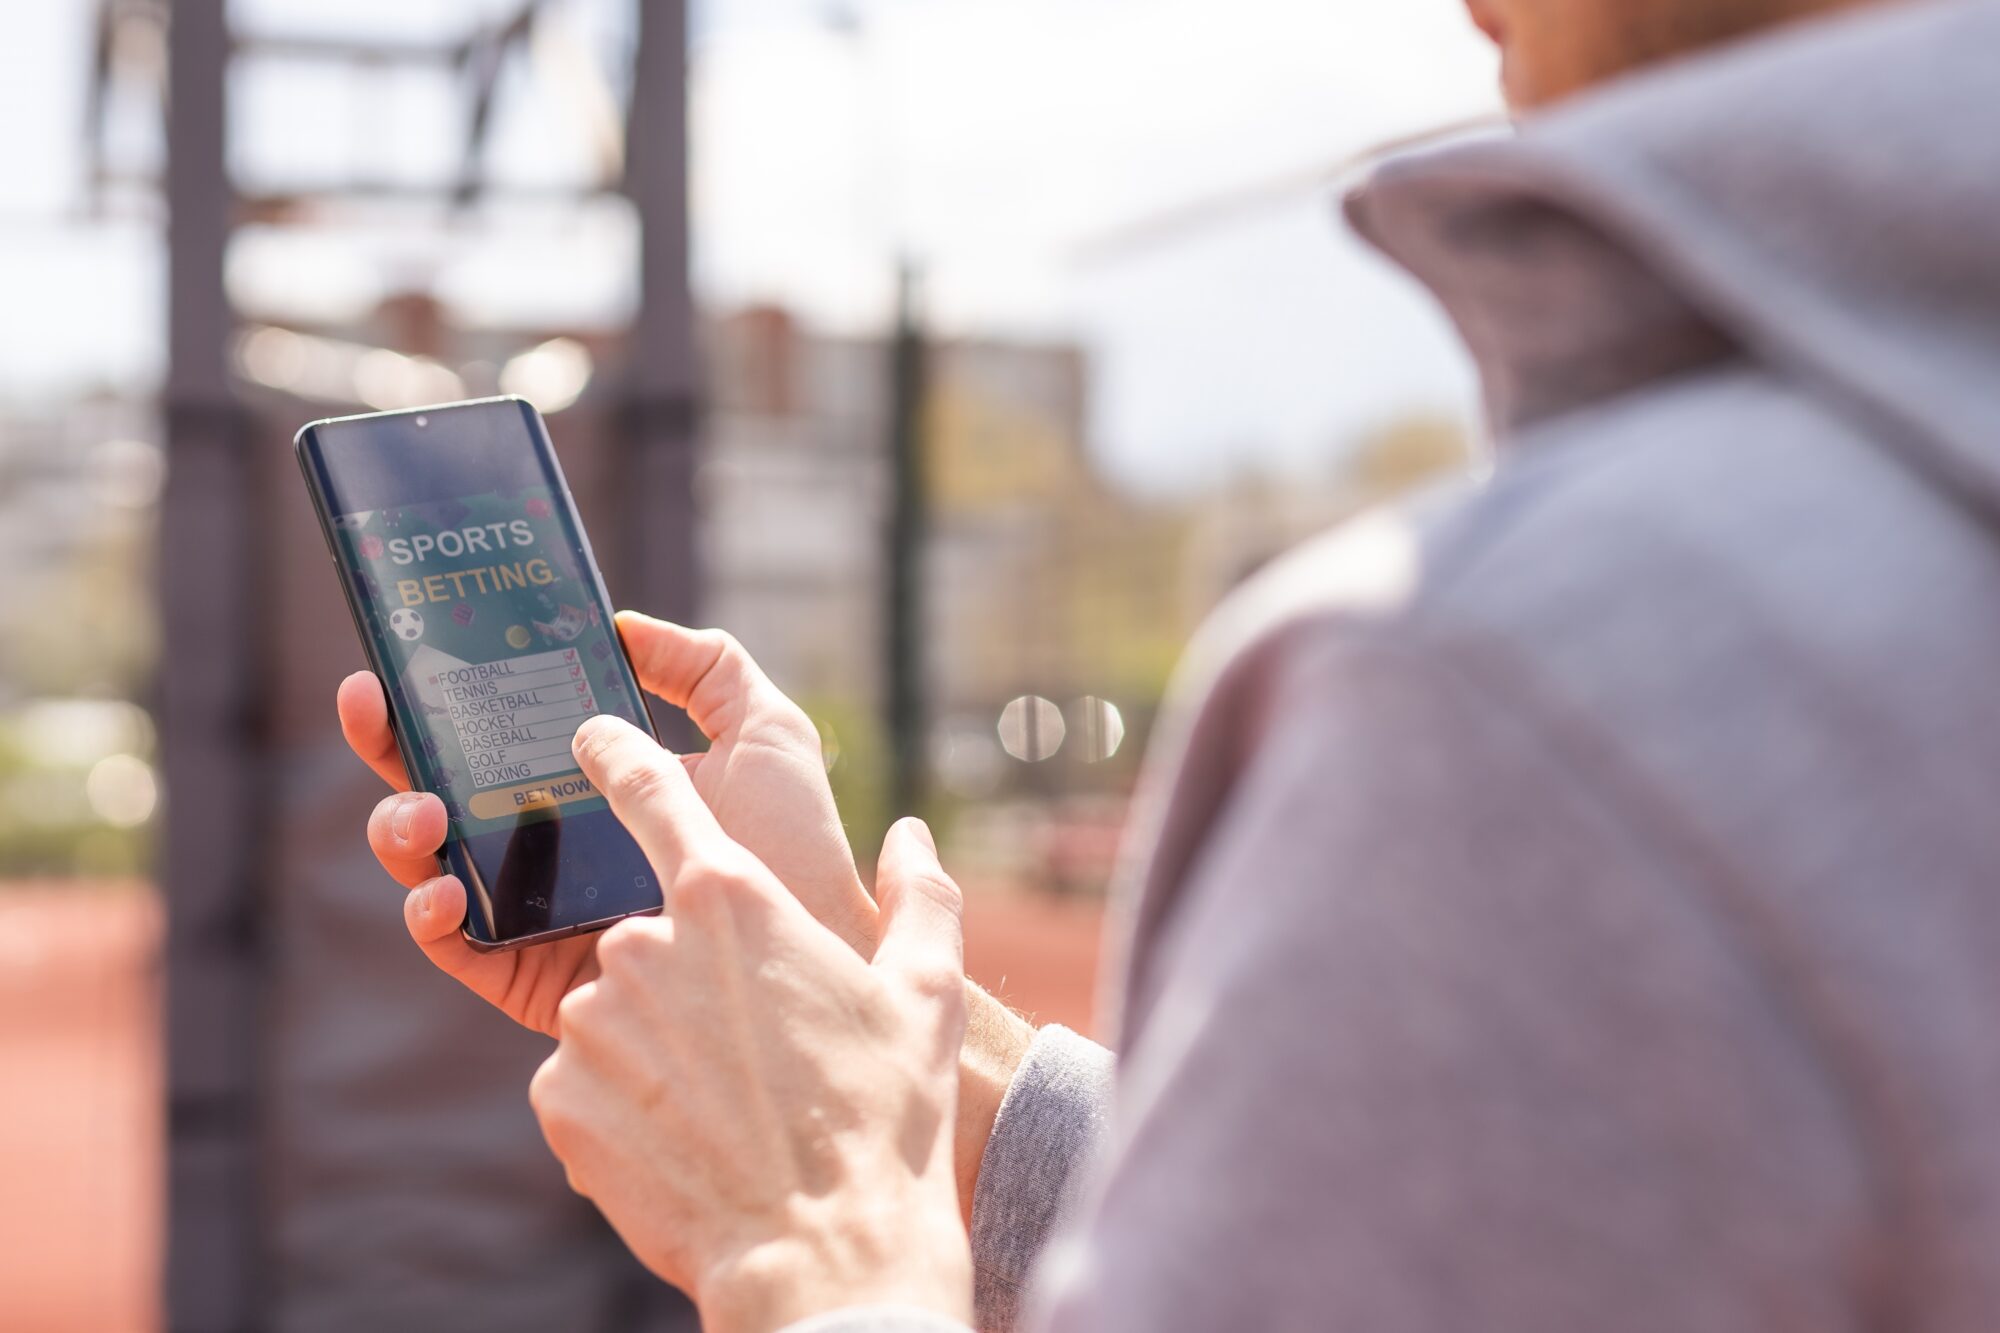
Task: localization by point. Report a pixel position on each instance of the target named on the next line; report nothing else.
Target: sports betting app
(489, 629)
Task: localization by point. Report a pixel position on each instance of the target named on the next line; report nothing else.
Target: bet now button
(505, 801)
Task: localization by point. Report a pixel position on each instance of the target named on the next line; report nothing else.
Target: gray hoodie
(1574, 903)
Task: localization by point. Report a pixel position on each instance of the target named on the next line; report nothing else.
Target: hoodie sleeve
(1435, 1034)
(1050, 1123)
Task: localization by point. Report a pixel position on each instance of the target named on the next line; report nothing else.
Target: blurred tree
(85, 625)
(858, 768)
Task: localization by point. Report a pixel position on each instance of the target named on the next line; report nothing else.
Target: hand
(762, 776)
(764, 773)
(763, 1116)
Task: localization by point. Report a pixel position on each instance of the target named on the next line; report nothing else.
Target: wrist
(904, 1260)
(996, 1041)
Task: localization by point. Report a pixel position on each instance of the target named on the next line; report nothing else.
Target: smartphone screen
(483, 612)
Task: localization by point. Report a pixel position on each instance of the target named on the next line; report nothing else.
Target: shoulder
(1624, 563)
(1656, 506)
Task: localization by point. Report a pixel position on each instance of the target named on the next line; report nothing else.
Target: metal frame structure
(659, 419)
(907, 530)
(211, 722)
(215, 715)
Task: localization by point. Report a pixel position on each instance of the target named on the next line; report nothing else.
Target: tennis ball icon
(517, 636)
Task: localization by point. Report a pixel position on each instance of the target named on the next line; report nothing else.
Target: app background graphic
(478, 622)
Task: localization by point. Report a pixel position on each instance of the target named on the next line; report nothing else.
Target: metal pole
(659, 420)
(653, 437)
(908, 522)
(211, 712)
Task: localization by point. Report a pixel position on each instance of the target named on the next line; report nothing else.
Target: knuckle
(735, 669)
(699, 885)
(937, 886)
(622, 950)
(711, 883)
(794, 722)
(723, 656)
(726, 646)
(575, 1008)
(592, 743)
(639, 783)
(557, 1111)
(937, 984)
(543, 1092)
(614, 949)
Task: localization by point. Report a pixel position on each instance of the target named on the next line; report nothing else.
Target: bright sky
(995, 138)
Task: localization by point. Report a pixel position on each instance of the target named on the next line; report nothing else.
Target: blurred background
(957, 355)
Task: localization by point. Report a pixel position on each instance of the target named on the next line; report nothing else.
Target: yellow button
(505, 801)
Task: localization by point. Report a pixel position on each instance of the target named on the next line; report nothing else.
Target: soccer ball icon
(407, 624)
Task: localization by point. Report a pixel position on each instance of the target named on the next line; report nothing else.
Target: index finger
(364, 721)
(648, 789)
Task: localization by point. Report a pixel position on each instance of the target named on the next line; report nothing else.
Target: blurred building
(1055, 604)
(793, 493)
(1239, 528)
(1040, 582)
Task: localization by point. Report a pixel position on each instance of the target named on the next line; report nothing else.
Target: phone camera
(422, 422)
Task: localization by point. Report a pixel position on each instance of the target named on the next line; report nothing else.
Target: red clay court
(81, 1094)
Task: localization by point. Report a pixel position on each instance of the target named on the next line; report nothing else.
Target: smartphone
(481, 609)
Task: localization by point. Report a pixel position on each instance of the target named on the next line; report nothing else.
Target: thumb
(703, 672)
(923, 933)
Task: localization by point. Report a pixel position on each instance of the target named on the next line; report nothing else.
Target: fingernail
(404, 815)
(923, 834)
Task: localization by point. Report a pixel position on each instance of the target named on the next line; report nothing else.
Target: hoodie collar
(1824, 200)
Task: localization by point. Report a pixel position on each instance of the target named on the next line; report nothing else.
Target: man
(1568, 904)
